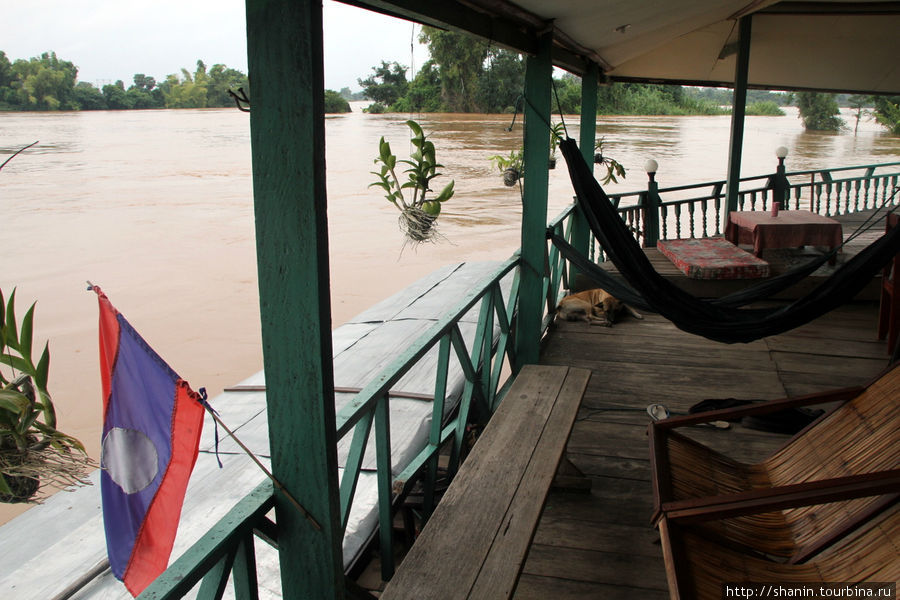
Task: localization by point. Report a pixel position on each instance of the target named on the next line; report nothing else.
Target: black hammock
(720, 320)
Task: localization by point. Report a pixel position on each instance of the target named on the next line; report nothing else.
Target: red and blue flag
(152, 421)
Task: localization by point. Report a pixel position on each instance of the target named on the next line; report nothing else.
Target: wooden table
(789, 229)
(475, 543)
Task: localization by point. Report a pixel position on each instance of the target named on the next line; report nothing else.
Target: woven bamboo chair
(697, 567)
(845, 466)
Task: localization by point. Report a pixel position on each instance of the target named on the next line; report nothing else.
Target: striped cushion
(713, 258)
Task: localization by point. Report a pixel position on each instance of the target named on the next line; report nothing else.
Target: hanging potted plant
(33, 453)
(556, 133)
(613, 168)
(510, 167)
(418, 213)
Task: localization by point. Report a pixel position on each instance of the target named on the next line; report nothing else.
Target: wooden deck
(601, 544)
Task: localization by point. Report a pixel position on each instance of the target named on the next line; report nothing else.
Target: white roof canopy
(800, 44)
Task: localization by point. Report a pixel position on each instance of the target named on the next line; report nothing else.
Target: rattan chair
(838, 472)
(698, 568)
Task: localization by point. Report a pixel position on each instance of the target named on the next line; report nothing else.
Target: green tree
(6, 74)
(566, 98)
(460, 59)
(887, 112)
(501, 82)
(44, 83)
(858, 102)
(7, 94)
(187, 91)
(424, 93)
(334, 103)
(612, 98)
(387, 84)
(143, 82)
(221, 80)
(819, 111)
(116, 97)
(88, 97)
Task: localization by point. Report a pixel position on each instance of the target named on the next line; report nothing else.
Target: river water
(156, 207)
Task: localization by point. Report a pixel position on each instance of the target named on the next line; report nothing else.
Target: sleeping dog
(597, 307)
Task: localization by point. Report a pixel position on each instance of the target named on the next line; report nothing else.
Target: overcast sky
(114, 39)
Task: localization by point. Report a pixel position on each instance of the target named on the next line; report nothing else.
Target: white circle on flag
(130, 459)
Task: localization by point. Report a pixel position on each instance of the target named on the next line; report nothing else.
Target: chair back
(860, 436)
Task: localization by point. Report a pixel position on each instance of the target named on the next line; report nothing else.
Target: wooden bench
(476, 541)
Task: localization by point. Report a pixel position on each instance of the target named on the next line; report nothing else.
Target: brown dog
(597, 307)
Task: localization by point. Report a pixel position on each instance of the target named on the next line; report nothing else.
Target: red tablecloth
(789, 229)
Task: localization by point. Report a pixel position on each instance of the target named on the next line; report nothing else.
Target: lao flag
(151, 434)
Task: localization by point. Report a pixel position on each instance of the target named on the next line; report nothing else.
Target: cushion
(713, 258)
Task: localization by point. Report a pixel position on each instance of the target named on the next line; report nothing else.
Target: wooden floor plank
(534, 587)
(615, 568)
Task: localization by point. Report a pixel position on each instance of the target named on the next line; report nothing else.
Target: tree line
(47, 82)
(465, 74)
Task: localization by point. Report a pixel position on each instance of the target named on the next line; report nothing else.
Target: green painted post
(538, 77)
(738, 110)
(581, 232)
(287, 132)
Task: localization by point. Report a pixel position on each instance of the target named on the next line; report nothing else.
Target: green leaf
(384, 149)
(26, 423)
(26, 334)
(47, 407)
(14, 402)
(15, 362)
(446, 193)
(11, 336)
(416, 129)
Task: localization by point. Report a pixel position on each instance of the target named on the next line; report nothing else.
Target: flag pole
(278, 484)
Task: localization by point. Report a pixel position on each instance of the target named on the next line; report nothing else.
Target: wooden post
(538, 74)
(287, 132)
(581, 232)
(781, 186)
(738, 110)
(650, 201)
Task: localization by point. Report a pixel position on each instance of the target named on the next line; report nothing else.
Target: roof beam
(833, 8)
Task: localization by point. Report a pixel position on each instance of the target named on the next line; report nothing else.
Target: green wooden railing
(226, 553)
(699, 210)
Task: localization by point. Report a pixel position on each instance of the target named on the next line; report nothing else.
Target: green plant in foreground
(418, 213)
(31, 448)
